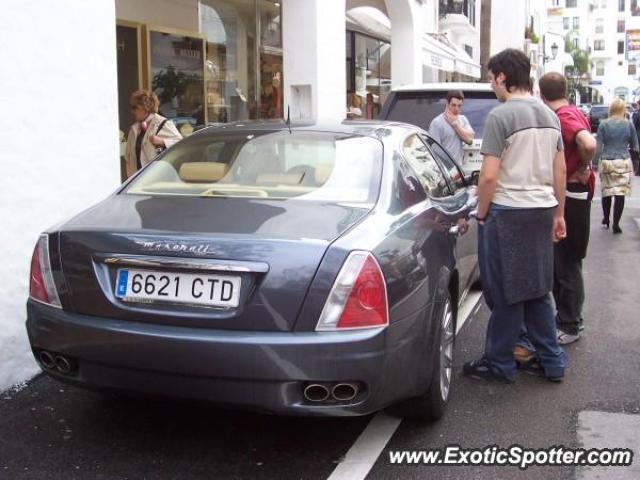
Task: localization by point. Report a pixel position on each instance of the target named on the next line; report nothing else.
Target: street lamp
(554, 51)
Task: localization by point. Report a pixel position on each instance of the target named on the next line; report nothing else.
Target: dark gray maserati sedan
(305, 269)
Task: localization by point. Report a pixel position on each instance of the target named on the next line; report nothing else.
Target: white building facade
(609, 30)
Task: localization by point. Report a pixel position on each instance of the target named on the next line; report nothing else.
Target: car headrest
(323, 173)
(202, 172)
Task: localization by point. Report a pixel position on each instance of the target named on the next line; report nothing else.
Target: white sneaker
(567, 338)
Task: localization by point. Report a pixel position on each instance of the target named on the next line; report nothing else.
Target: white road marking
(609, 430)
(364, 453)
(468, 308)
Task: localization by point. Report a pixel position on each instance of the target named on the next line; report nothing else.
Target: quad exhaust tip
(315, 392)
(63, 365)
(331, 392)
(47, 360)
(55, 361)
(344, 392)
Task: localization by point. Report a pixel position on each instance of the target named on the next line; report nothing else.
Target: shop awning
(437, 54)
(440, 53)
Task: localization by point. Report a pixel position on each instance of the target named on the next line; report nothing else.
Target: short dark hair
(516, 68)
(553, 86)
(455, 94)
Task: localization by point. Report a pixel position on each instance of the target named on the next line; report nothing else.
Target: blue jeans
(507, 322)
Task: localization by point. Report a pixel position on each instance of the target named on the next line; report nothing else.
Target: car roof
(445, 87)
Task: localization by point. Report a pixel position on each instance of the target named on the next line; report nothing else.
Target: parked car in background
(309, 270)
(420, 104)
(597, 113)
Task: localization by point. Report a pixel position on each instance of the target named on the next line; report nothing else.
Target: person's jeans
(507, 321)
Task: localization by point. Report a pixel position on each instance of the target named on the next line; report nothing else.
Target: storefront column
(314, 40)
(406, 41)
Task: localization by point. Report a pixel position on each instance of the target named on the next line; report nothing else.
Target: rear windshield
(314, 166)
(419, 108)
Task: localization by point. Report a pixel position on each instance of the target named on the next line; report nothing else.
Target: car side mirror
(474, 177)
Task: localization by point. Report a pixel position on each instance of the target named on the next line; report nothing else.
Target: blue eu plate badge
(123, 277)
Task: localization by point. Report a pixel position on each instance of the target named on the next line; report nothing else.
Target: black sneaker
(480, 370)
(534, 368)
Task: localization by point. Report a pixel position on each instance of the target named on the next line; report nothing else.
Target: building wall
(180, 14)
(507, 25)
(58, 139)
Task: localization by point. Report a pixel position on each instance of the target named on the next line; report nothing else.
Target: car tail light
(358, 298)
(41, 285)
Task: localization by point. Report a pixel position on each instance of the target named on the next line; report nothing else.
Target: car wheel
(431, 405)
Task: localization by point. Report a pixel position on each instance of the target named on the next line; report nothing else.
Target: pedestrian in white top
(150, 133)
(451, 129)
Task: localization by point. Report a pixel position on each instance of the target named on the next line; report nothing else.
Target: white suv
(419, 104)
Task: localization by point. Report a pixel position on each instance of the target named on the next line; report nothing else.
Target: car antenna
(288, 122)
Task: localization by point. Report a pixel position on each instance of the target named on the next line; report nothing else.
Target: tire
(431, 405)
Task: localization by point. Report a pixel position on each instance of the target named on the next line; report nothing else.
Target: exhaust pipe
(63, 365)
(344, 392)
(315, 392)
(46, 359)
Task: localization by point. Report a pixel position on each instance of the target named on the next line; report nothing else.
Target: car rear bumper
(265, 371)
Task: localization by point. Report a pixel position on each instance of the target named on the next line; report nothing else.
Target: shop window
(230, 31)
(372, 76)
(244, 59)
(270, 48)
(350, 66)
(177, 77)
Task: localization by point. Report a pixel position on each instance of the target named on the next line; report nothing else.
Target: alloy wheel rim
(446, 352)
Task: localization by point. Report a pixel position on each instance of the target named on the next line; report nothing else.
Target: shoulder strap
(161, 125)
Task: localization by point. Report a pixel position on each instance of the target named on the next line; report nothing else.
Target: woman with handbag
(616, 136)
(150, 133)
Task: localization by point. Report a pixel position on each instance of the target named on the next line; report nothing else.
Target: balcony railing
(458, 7)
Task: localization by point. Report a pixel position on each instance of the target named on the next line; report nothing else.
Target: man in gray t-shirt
(450, 129)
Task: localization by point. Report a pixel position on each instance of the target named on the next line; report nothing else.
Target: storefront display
(368, 74)
(176, 69)
(224, 65)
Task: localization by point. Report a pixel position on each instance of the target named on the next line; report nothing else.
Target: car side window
(422, 162)
(453, 171)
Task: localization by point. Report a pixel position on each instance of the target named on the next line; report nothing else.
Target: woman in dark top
(616, 136)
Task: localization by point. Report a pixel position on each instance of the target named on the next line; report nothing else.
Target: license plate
(199, 289)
